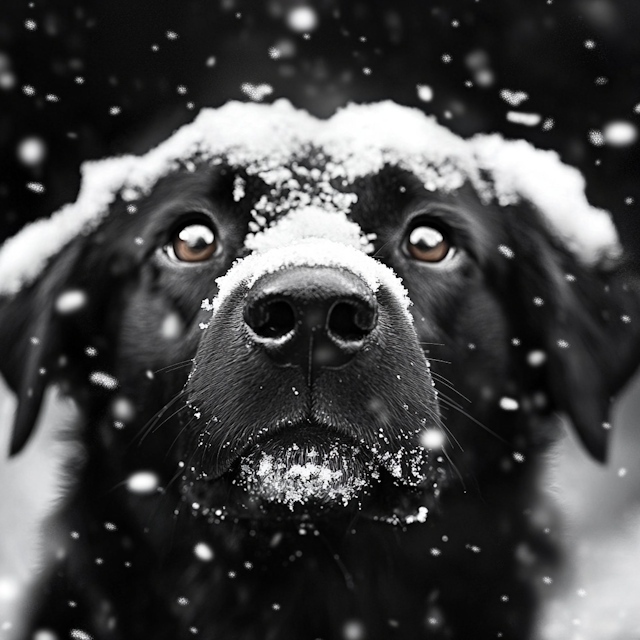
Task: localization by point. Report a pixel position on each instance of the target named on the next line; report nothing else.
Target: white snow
(102, 379)
(309, 252)
(556, 189)
(514, 98)
(143, 482)
(301, 475)
(432, 439)
(620, 133)
(358, 140)
(527, 119)
(70, 301)
(203, 552)
(311, 222)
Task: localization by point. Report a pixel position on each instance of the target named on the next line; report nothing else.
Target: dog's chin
(307, 474)
(303, 475)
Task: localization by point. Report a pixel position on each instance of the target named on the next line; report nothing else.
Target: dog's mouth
(309, 472)
(306, 466)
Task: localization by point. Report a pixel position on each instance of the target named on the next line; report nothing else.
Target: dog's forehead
(276, 142)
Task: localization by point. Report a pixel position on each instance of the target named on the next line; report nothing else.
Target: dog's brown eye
(194, 243)
(428, 244)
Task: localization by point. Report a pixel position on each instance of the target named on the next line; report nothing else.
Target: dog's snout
(315, 317)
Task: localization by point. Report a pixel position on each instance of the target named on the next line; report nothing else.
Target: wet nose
(312, 317)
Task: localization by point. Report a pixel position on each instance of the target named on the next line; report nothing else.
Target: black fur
(469, 571)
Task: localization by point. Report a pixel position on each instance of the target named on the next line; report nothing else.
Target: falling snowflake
(302, 18)
(526, 119)
(507, 252)
(514, 98)
(425, 92)
(203, 552)
(509, 404)
(620, 133)
(256, 92)
(595, 137)
(548, 124)
(36, 187)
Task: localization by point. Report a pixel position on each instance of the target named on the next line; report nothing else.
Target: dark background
(93, 78)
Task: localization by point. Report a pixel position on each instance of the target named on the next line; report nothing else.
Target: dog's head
(260, 299)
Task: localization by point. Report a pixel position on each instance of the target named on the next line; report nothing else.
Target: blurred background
(81, 79)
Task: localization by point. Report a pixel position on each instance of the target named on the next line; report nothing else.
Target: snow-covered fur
(317, 364)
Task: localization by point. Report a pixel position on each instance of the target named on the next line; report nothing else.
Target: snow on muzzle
(309, 385)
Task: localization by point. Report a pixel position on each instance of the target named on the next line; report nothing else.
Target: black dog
(308, 446)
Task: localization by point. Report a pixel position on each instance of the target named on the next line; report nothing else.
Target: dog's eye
(428, 244)
(193, 243)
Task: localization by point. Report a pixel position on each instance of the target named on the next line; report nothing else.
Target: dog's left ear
(31, 339)
(568, 292)
(585, 320)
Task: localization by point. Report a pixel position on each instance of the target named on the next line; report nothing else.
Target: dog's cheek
(152, 348)
(473, 357)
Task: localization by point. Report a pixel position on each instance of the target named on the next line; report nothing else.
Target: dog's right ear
(31, 340)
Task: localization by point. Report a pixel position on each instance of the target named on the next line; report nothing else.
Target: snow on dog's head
(359, 140)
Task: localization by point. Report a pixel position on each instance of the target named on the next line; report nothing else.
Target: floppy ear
(585, 319)
(31, 339)
(566, 290)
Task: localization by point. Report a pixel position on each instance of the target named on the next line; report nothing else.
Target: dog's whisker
(447, 383)
(174, 366)
(378, 253)
(348, 578)
(152, 424)
(154, 427)
(180, 432)
(180, 471)
(457, 471)
(467, 415)
(448, 433)
(430, 359)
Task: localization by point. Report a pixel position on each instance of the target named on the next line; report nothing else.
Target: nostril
(350, 322)
(273, 319)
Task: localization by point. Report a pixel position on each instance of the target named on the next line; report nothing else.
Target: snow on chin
(300, 475)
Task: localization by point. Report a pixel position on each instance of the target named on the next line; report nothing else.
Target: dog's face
(309, 319)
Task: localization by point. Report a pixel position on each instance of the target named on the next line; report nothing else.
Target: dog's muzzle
(309, 387)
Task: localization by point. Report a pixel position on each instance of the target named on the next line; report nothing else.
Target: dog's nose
(313, 317)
